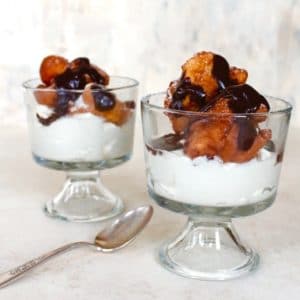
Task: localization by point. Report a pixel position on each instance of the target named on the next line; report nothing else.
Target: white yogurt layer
(79, 138)
(211, 182)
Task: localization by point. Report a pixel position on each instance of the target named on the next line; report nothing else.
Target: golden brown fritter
(118, 115)
(237, 75)
(52, 66)
(46, 95)
(208, 85)
(207, 137)
(179, 123)
(221, 138)
(199, 70)
(231, 151)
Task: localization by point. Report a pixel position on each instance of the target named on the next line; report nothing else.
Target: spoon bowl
(123, 230)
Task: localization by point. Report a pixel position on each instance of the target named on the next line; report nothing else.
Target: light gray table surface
(134, 273)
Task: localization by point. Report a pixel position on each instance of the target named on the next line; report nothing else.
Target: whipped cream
(81, 137)
(206, 182)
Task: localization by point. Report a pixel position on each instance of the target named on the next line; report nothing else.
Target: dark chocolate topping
(83, 68)
(185, 88)
(77, 78)
(80, 62)
(241, 99)
(104, 100)
(244, 99)
(221, 71)
(92, 73)
(62, 106)
(70, 80)
(247, 133)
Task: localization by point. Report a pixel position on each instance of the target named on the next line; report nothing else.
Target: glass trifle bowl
(82, 140)
(212, 189)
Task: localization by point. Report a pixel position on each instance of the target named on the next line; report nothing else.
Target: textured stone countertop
(133, 273)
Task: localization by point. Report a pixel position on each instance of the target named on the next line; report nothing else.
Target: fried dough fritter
(237, 75)
(118, 114)
(222, 138)
(199, 69)
(232, 153)
(228, 121)
(207, 137)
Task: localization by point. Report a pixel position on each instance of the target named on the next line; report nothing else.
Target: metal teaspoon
(113, 237)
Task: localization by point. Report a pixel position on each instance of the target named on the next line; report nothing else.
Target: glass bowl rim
(145, 103)
(134, 83)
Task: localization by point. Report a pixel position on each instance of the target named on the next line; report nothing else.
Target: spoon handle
(14, 274)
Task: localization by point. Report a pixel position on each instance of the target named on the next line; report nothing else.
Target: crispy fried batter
(172, 88)
(48, 96)
(220, 138)
(231, 151)
(237, 75)
(118, 115)
(220, 106)
(52, 66)
(207, 137)
(179, 123)
(261, 118)
(199, 69)
(102, 73)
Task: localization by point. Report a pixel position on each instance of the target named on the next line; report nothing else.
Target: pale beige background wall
(149, 40)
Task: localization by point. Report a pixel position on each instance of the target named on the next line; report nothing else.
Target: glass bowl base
(213, 211)
(208, 250)
(84, 199)
(82, 165)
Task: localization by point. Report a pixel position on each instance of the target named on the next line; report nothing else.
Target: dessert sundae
(80, 120)
(218, 138)
(78, 116)
(213, 149)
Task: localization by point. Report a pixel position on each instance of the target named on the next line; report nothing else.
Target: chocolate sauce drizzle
(76, 78)
(104, 100)
(220, 71)
(64, 99)
(242, 98)
(186, 88)
(247, 133)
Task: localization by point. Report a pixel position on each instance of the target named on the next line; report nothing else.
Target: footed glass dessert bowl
(213, 148)
(212, 167)
(81, 121)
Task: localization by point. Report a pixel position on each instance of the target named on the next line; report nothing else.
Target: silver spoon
(113, 237)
